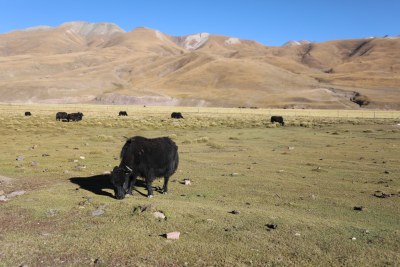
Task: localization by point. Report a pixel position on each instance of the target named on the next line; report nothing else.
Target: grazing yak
(61, 116)
(278, 119)
(147, 158)
(28, 113)
(74, 116)
(176, 115)
(122, 113)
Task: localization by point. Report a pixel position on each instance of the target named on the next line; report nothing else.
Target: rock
(359, 208)
(75, 160)
(387, 172)
(173, 235)
(159, 215)
(3, 198)
(187, 181)
(45, 155)
(98, 212)
(234, 174)
(15, 194)
(353, 238)
(34, 163)
(235, 212)
(51, 212)
(297, 234)
(82, 157)
(20, 158)
(272, 226)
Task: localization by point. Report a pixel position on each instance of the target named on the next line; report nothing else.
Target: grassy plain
(306, 177)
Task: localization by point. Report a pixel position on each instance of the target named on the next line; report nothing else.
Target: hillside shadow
(98, 183)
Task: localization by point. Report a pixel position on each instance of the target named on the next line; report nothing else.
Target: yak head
(120, 180)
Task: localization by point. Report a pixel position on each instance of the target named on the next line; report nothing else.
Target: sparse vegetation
(304, 181)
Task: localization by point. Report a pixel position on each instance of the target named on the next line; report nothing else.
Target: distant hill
(80, 62)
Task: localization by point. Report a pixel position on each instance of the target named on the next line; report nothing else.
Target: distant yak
(122, 113)
(176, 115)
(61, 116)
(74, 116)
(278, 119)
(28, 113)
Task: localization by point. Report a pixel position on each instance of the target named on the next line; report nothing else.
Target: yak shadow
(98, 183)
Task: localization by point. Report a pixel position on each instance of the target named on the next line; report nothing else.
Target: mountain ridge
(79, 62)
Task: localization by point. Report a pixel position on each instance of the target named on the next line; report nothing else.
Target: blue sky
(266, 21)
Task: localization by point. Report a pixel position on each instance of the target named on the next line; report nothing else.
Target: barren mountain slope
(99, 62)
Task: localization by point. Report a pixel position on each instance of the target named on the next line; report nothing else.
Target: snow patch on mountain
(91, 29)
(296, 43)
(194, 41)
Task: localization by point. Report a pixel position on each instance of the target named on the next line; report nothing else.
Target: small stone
(359, 208)
(16, 193)
(353, 238)
(97, 212)
(387, 172)
(297, 234)
(75, 160)
(187, 181)
(173, 235)
(3, 198)
(34, 164)
(45, 155)
(235, 211)
(159, 215)
(20, 158)
(82, 157)
(272, 226)
(234, 174)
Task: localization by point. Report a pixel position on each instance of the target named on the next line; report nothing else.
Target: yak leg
(165, 187)
(149, 182)
(131, 184)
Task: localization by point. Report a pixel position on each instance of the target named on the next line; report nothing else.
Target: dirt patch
(5, 180)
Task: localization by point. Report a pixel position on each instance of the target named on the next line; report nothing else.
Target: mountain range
(81, 62)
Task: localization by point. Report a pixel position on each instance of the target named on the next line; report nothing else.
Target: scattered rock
(234, 174)
(173, 235)
(291, 147)
(45, 155)
(187, 181)
(359, 208)
(235, 212)
(82, 157)
(159, 215)
(75, 160)
(51, 212)
(272, 226)
(98, 262)
(385, 195)
(98, 212)
(20, 158)
(353, 238)
(297, 234)
(34, 163)
(387, 172)
(16, 193)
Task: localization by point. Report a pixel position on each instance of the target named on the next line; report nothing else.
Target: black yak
(176, 115)
(28, 113)
(122, 113)
(61, 116)
(278, 119)
(74, 116)
(147, 158)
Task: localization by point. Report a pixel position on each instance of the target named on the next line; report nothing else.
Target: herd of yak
(148, 158)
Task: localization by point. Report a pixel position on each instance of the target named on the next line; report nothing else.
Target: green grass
(306, 177)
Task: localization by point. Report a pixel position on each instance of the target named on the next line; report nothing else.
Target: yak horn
(129, 169)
